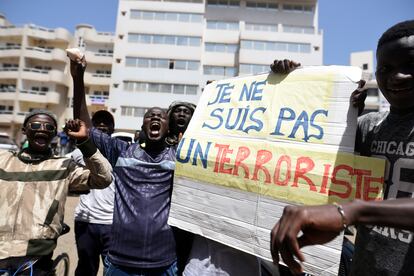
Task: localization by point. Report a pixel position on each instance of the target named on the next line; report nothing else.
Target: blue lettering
(199, 152)
(283, 117)
(180, 146)
(217, 114)
(257, 121)
(223, 95)
(302, 121)
(312, 123)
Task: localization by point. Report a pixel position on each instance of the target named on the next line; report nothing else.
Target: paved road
(67, 243)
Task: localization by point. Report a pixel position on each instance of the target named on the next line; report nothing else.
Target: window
(166, 16)
(275, 46)
(221, 47)
(164, 39)
(220, 71)
(261, 27)
(262, 5)
(222, 25)
(298, 29)
(133, 111)
(160, 87)
(253, 69)
(298, 8)
(224, 3)
(365, 66)
(162, 63)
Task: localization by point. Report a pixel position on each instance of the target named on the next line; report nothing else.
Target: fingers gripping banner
(259, 143)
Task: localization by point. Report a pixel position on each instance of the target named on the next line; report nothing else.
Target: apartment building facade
(34, 71)
(166, 50)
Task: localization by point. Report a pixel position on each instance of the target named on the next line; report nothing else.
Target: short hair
(399, 30)
(38, 112)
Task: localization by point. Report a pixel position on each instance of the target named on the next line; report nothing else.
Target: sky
(348, 25)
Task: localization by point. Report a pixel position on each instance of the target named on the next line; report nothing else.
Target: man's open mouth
(155, 128)
(41, 139)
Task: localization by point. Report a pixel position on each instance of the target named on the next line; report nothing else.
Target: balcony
(6, 116)
(19, 118)
(100, 58)
(99, 37)
(9, 73)
(50, 97)
(46, 54)
(7, 94)
(44, 75)
(49, 34)
(8, 31)
(10, 51)
(97, 79)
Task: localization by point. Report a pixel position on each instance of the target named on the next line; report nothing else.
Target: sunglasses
(39, 125)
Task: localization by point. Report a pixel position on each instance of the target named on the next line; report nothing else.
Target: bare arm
(80, 109)
(321, 224)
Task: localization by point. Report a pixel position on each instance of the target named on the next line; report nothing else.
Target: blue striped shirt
(143, 184)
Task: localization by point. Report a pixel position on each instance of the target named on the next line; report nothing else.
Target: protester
(34, 185)
(93, 215)
(179, 114)
(383, 245)
(143, 243)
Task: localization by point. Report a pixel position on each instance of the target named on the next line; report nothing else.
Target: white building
(166, 50)
(34, 71)
(98, 48)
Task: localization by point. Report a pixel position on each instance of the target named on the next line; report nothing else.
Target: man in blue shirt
(143, 243)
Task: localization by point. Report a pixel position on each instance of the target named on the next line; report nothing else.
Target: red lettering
(327, 168)
(286, 159)
(301, 171)
(359, 177)
(242, 154)
(370, 189)
(346, 184)
(221, 157)
(263, 156)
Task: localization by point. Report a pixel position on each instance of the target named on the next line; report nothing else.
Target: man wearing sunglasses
(34, 184)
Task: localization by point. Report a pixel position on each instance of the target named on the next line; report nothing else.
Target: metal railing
(42, 71)
(101, 75)
(10, 48)
(33, 92)
(14, 69)
(39, 49)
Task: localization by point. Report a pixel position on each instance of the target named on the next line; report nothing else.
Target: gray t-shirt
(386, 250)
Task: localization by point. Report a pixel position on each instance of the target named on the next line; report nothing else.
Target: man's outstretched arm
(80, 109)
(321, 224)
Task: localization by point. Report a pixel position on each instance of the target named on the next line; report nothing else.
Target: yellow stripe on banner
(281, 170)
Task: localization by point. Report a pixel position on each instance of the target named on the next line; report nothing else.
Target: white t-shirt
(98, 205)
(210, 258)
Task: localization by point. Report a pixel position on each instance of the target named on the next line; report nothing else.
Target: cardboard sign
(258, 143)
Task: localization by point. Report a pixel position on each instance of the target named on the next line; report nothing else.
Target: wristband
(342, 213)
